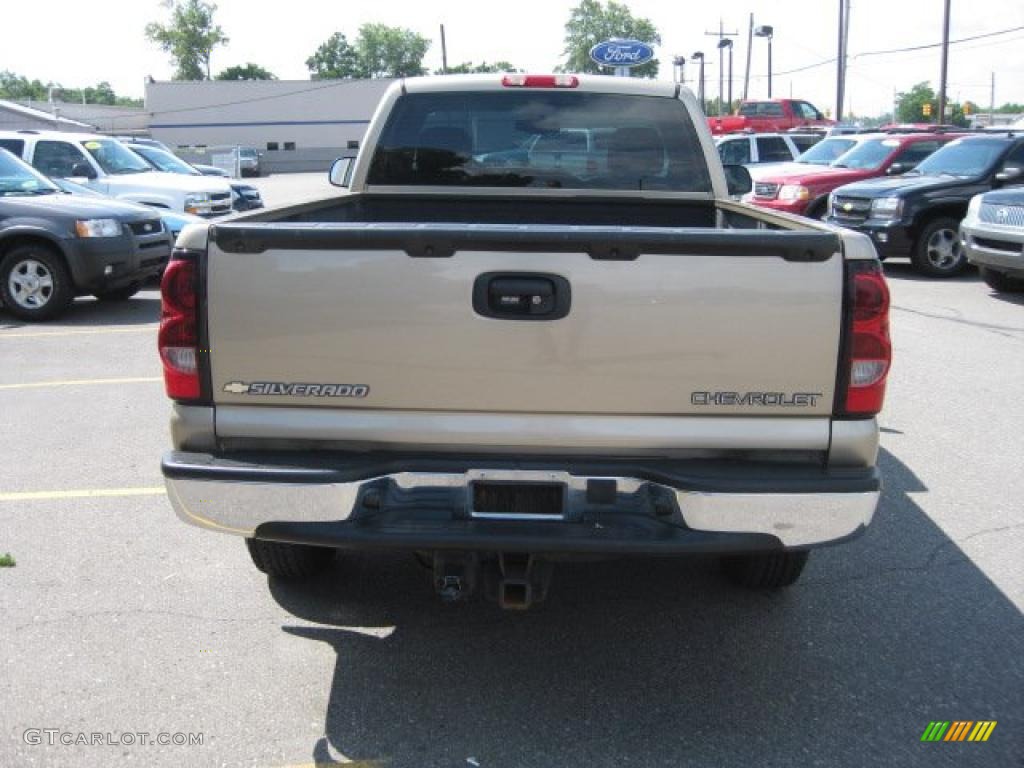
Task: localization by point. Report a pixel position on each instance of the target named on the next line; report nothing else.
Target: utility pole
(945, 61)
(444, 53)
(846, 49)
(730, 74)
(721, 35)
(750, 44)
(841, 62)
(992, 101)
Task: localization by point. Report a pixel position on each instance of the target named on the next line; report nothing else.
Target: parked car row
(909, 190)
(108, 166)
(244, 197)
(88, 214)
(806, 192)
(918, 214)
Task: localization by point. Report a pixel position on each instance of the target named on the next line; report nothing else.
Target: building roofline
(39, 114)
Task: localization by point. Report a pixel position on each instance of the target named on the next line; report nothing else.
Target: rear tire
(119, 294)
(773, 570)
(938, 251)
(35, 283)
(1001, 282)
(289, 562)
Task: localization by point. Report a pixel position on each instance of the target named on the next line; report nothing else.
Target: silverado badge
(281, 388)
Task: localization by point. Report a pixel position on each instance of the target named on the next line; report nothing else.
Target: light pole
(767, 31)
(680, 69)
(722, 44)
(699, 56)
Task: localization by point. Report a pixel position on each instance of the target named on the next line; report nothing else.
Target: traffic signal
(967, 107)
(927, 110)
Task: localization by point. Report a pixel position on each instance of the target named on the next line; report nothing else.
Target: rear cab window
(762, 109)
(540, 139)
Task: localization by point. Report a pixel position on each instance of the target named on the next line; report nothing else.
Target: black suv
(918, 214)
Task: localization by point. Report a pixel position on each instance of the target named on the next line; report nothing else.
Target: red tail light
(179, 329)
(540, 81)
(868, 352)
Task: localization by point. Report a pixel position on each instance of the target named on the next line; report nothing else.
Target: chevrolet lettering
(788, 400)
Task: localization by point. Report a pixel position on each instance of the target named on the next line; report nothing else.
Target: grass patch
(6, 561)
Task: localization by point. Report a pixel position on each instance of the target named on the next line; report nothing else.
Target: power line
(938, 45)
(908, 49)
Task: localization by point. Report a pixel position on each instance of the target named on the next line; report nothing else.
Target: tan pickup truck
(534, 327)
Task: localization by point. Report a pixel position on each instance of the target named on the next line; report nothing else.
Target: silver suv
(106, 165)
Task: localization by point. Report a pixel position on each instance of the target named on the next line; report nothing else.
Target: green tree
(910, 105)
(103, 93)
(335, 59)
(391, 51)
(248, 71)
(15, 86)
(190, 37)
(1011, 109)
(591, 23)
(378, 51)
(469, 68)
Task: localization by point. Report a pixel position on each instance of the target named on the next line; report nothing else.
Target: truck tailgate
(668, 322)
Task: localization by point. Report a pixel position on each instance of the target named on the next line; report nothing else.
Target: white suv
(106, 165)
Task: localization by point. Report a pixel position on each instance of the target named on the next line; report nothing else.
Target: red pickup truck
(772, 115)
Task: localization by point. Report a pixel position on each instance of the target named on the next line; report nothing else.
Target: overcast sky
(81, 43)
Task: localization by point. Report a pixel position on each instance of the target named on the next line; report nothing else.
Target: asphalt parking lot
(120, 619)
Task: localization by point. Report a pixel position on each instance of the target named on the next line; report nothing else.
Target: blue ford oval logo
(621, 53)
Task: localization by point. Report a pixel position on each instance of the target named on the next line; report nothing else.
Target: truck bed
(672, 312)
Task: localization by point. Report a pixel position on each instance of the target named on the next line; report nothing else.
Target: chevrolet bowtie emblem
(847, 206)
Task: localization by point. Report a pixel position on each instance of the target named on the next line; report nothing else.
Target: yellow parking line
(87, 331)
(82, 493)
(77, 382)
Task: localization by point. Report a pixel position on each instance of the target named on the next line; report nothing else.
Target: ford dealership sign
(621, 53)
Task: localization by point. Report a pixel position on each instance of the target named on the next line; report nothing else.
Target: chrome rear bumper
(661, 511)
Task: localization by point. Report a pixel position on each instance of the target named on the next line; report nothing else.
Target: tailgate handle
(521, 296)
